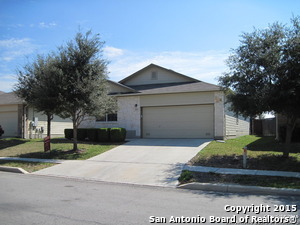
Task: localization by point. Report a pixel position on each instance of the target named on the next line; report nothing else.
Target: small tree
(37, 84)
(82, 86)
(264, 74)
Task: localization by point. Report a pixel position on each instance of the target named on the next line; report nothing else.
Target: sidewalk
(173, 171)
(235, 188)
(202, 169)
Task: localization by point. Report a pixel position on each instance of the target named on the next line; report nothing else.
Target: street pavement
(156, 162)
(31, 199)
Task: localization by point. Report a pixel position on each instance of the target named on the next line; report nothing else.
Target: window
(108, 118)
(112, 117)
(154, 75)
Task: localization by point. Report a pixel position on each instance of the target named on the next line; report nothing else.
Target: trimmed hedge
(81, 134)
(1, 131)
(69, 134)
(98, 134)
(117, 134)
(103, 134)
(92, 134)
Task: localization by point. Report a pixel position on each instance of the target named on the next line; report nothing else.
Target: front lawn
(61, 149)
(264, 153)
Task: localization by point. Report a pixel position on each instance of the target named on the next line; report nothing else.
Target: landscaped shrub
(69, 134)
(81, 134)
(117, 134)
(92, 134)
(103, 134)
(98, 134)
(1, 131)
(185, 176)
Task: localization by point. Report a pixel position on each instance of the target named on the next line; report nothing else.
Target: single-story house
(153, 102)
(156, 102)
(19, 120)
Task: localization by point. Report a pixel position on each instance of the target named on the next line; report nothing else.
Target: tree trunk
(75, 147)
(290, 125)
(49, 118)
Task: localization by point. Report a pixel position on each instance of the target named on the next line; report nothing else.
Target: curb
(13, 169)
(56, 161)
(235, 188)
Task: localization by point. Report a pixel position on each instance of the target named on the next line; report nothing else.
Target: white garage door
(195, 121)
(9, 123)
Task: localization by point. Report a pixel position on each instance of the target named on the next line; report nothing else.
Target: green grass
(264, 153)
(185, 177)
(60, 149)
(28, 166)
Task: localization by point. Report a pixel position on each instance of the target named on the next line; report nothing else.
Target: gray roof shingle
(10, 99)
(174, 88)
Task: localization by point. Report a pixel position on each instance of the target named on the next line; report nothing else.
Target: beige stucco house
(19, 120)
(156, 102)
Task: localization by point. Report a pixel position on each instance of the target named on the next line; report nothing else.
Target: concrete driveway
(157, 162)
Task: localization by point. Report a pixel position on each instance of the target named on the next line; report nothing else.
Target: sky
(192, 37)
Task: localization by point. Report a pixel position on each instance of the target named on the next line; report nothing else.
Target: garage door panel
(9, 123)
(194, 121)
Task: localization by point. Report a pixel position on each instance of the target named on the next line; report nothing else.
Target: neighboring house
(19, 120)
(156, 102)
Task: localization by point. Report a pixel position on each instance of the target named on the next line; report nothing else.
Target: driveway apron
(156, 162)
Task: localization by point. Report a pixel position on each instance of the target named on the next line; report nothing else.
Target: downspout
(24, 122)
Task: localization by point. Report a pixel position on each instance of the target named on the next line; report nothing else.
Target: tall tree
(264, 74)
(82, 86)
(36, 85)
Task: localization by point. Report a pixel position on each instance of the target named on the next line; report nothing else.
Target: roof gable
(154, 74)
(117, 88)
